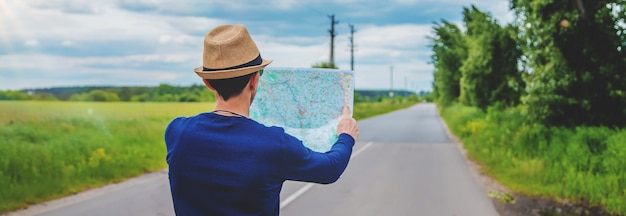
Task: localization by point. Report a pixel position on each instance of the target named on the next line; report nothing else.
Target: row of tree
(563, 60)
(161, 93)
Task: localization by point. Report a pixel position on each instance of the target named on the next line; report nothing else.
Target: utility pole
(406, 87)
(391, 81)
(331, 63)
(352, 31)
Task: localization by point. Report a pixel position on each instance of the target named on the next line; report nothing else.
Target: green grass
(370, 109)
(54, 149)
(584, 164)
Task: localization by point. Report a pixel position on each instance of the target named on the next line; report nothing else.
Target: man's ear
(207, 84)
(254, 81)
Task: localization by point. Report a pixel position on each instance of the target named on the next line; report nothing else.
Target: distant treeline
(379, 95)
(162, 93)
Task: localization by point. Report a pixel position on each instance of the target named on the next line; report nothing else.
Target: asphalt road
(403, 164)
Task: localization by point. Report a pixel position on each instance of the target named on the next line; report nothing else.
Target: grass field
(366, 110)
(53, 149)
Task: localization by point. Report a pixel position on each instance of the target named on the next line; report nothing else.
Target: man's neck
(238, 104)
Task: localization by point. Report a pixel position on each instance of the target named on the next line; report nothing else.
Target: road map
(306, 102)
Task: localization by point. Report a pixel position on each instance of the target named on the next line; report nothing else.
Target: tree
(44, 97)
(194, 94)
(79, 97)
(489, 73)
(140, 98)
(103, 96)
(165, 89)
(13, 95)
(449, 52)
(95, 95)
(575, 58)
(323, 65)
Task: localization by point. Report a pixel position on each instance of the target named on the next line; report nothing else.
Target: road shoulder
(52, 205)
(522, 205)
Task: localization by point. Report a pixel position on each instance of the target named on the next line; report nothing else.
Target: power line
(391, 81)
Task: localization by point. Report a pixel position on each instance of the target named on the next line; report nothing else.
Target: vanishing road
(403, 164)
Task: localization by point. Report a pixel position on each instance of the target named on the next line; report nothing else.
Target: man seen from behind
(224, 163)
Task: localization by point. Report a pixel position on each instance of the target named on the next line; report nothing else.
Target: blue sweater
(221, 165)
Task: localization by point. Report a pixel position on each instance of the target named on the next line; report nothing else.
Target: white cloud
(171, 33)
(109, 25)
(178, 7)
(191, 25)
(406, 2)
(67, 43)
(290, 55)
(379, 47)
(31, 43)
(403, 35)
(130, 60)
(283, 4)
(347, 1)
(167, 76)
(79, 71)
(145, 5)
(68, 6)
(500, 10)
(173, 39)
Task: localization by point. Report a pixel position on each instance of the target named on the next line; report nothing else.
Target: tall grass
(53, 149)
(583, 164)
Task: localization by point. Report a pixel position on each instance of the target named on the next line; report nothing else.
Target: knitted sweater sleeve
(303, 164)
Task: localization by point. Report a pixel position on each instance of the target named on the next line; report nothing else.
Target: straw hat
(229, 52)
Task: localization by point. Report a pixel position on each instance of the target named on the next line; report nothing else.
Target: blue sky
(51, 43)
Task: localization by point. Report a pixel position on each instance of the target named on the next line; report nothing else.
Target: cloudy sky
(51, 43)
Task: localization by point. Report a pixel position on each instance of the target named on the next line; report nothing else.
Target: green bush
(96, 95)
(584, 164)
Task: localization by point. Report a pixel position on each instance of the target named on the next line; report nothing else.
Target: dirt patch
(525, 205)
(509, 203)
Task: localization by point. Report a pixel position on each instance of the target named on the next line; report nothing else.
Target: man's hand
(347, 124)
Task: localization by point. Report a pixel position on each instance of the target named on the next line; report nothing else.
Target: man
(224, 163)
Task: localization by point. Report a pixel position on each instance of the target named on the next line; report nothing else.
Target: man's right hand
(347, 124)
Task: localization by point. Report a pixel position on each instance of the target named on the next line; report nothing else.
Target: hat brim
(225, 74)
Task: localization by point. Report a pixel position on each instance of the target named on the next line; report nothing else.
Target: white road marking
(361, 149)
(308, 186)
(295, 195)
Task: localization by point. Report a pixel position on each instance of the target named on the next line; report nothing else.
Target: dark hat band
(257, 61)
